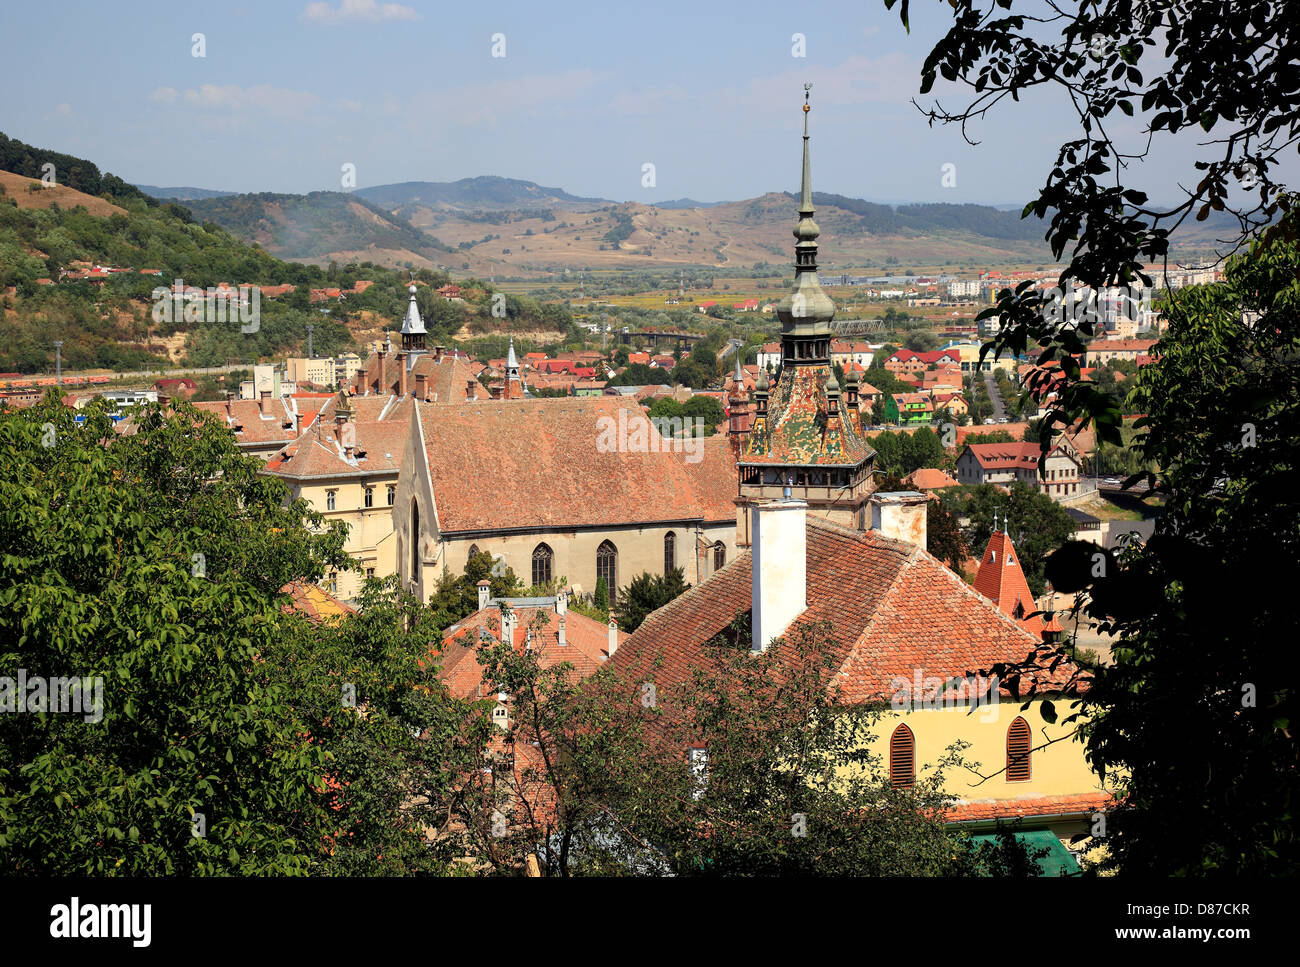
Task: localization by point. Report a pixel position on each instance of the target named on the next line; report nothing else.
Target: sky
(586, 95)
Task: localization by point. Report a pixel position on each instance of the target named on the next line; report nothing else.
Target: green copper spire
(807, 311)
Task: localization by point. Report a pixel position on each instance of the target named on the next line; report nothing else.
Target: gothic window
(719, 555)
(670, 552)
(902, 758)
(543, 557)
(607, 566)
(473, 552)
(1019, 741)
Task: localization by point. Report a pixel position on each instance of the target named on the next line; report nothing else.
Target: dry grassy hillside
(18, 188)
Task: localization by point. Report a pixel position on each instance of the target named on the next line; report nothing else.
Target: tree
(647, 593)
(1219, 799)
(456, 597)
(599, 782)
(1223, 424)
(153, 564)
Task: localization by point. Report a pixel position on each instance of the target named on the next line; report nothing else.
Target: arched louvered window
(473, 552)
(902, 758)
(719, 555)
(543, 557)
(607, 566)
(1019, 743)
(670, 552)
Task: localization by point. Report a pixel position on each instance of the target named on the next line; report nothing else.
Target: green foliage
(97, 578)
(456, 597)
(647, 593)
(1223, 421)
(791, 786)
(898, 454)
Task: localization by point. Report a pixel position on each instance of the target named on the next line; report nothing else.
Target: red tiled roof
(587, 641)
(1001, 580)
(543, 463)
(892, 609)
(1030, 806)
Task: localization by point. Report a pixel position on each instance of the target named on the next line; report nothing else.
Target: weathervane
(806, 108)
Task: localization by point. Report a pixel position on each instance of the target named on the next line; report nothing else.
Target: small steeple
(513, 388)
(413, 331)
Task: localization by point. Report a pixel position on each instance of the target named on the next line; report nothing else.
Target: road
(990, 384)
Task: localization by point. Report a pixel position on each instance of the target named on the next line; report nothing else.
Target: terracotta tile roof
(1001, 580)
(245, 419)
(587, 641)
(892, 609)
(315, 602)
(382, 423)
(1030, 806)
(544, 463)
(1010, 456)
(929, 478)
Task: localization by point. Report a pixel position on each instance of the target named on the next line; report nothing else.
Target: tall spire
(806, 312)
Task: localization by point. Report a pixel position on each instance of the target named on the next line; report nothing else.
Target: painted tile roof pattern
(892, 609)
(799, 430)
(565, 463)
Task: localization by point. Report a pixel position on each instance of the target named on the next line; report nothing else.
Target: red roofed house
(1004, 463)
(900, 627)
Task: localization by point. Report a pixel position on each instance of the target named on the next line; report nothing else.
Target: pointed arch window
(902, 758)
(1019, 743)
(670, 552)
(607, 566)
(719, 555)
(543, 559)
(473, 552)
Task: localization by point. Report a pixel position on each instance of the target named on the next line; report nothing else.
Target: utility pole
(309, 332)
(58, 362)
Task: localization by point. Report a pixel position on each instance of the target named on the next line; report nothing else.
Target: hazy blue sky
(288, 92)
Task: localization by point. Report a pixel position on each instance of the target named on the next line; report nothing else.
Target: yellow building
(314, 369)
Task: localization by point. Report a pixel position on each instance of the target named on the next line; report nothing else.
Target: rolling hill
(320, 227)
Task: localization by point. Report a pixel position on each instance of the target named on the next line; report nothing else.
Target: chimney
(165, 402)
(264, 402)
(383, 370)
(562, 603)
(613, 637)
(560, 637)
(401, 374)
(471, 389)
(421, 388)
(438, 353)
(484, 592)
(507, 625)
(900, 515)
(779, 568)
(230, 408)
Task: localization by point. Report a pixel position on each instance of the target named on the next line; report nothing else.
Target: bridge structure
(679, 340)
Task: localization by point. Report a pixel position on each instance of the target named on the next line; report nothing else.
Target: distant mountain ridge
(483, 193)
(183, 194)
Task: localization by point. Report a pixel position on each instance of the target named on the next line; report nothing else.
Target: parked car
(988, 421)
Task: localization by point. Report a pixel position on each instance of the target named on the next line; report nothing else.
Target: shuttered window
(902, 758)
(1019, 742)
